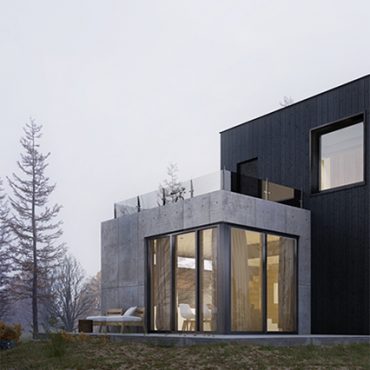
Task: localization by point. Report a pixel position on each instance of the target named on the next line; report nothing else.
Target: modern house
(277, 241)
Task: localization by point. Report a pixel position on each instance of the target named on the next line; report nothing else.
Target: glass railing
(221, 180)
(265, 189)
(183, 190)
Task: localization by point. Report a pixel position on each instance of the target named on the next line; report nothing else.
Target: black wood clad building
(321, 146)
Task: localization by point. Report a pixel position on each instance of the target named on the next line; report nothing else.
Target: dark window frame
(265, 234)
(315, 135)
(223, 278)
(236, 184)
(173, 250)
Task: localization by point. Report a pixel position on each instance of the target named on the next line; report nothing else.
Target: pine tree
(5, 261)
(33, 223)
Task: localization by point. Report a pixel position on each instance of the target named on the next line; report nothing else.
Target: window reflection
(160, 286)
(263, 282)
(208, 279)
(281, 284)
(250, 282)
(246, 280)
(175, 292)
(186, 282)
(342, 156)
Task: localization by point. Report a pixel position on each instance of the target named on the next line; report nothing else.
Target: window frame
(224, 265)
(265, 234)
(315, 135)
(173, 250)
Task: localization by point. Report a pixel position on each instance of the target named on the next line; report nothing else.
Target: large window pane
(160, 285)
(208, 279)
(186, 282)
(342, 156)
(281, 284)
(246, 280)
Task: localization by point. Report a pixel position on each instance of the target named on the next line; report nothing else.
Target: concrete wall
(123, 241)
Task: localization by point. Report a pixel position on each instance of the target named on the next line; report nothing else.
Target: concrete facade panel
(304, 314)
(298, 222)
(171, 217)
(238, 209)
(110, 266)
(109, 233)
(127, 256)
(269, 214)
(109, 299)
(148, 221)
(197, 211)
(215, 207)
(304, 260)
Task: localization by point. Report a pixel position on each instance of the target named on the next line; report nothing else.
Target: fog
(122, 88)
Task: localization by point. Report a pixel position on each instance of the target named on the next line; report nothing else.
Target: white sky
(125, 87)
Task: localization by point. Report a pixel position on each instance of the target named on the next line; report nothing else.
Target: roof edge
(298, 102)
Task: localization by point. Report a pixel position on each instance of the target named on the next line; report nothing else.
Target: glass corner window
(183, 281)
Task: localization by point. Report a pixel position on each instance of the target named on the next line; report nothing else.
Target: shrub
(10, 332)
(56, 346)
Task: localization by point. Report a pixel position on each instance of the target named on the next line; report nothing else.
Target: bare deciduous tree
(72, 297)
(5, 261)
(93, 289)
(33, 222)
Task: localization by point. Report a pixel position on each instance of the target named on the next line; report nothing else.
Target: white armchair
(188, 315)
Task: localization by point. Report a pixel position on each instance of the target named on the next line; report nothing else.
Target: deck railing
(220, 180)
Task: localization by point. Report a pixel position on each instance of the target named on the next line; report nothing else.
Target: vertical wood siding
(340, 219)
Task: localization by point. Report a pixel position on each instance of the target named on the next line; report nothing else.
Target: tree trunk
(35, 270)
(34, 295)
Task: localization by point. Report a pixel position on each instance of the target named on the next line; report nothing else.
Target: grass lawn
(82, 352)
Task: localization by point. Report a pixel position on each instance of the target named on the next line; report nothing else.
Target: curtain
(162, 291)
(240, 312)
(208, 279)
(287, 285)
(214, 279)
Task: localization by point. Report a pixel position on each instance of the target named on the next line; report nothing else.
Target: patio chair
(133, 316)
(188, 316)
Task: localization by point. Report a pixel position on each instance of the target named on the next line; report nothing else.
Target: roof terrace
(220, 180)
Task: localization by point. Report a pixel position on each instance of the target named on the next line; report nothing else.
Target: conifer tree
(171, 190)
(5, 261)
(36, 249)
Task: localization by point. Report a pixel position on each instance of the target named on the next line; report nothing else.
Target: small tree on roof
(287, 100)
(171, 190)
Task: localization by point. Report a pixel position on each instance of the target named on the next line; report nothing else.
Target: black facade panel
(340, 218)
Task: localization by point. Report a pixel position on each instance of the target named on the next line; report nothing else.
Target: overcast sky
(125, 87)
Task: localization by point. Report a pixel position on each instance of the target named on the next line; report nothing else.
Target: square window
(338, 154)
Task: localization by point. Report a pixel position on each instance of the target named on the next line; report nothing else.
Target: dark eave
(296, 103)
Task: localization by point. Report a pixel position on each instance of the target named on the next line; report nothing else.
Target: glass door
(182, 281)
(186, 282)
(281, 284)
(246, 280)
(263, 282)
(160, 284)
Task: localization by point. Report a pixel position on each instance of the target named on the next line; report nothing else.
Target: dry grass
(81, 352)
